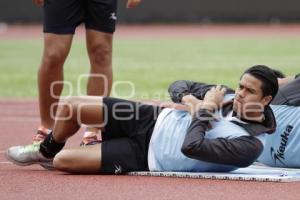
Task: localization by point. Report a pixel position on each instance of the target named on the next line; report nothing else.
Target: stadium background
(174, 11)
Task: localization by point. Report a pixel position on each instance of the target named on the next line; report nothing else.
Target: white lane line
(5, 162)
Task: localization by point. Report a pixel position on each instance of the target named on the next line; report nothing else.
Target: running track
(18, 120)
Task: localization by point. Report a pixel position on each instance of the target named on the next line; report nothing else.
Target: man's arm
(241, 151)
(181, 88)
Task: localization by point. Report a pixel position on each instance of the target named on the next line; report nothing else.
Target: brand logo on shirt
(278, 155)
(118, 169)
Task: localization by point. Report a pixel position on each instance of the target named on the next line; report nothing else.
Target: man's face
(249, 102)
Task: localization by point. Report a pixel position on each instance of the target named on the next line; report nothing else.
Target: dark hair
(278, 73)
(268, 78)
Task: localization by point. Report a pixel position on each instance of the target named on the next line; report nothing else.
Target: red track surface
(19, 119)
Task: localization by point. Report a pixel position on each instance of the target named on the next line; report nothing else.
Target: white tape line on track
(4, 162)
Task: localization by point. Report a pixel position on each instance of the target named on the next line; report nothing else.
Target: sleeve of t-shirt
(180, 88)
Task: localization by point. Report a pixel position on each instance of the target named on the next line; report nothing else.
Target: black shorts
(63, 16)
(128, 129)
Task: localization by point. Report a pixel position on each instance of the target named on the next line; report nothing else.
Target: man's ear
(266, 100)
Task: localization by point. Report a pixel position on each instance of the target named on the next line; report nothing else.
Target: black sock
(49, 147)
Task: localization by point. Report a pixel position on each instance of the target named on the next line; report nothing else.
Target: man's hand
(133, 3)
(214, 98)
(39, 2)
(192, 102)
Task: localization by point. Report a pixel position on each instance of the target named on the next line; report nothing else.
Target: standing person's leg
(100, 25)
(99, 47)
(61, 18)
(56, 49)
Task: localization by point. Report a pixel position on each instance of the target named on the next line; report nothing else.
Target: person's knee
(73, 106)
(100, 55)
(63, 162)
(69, 107)
(53, 59)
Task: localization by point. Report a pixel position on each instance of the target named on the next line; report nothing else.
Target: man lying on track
(209, 128)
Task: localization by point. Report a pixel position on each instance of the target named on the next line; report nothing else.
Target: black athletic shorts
(63, 16)
(125, 140)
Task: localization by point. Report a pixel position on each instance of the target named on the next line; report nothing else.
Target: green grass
(151, 65)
